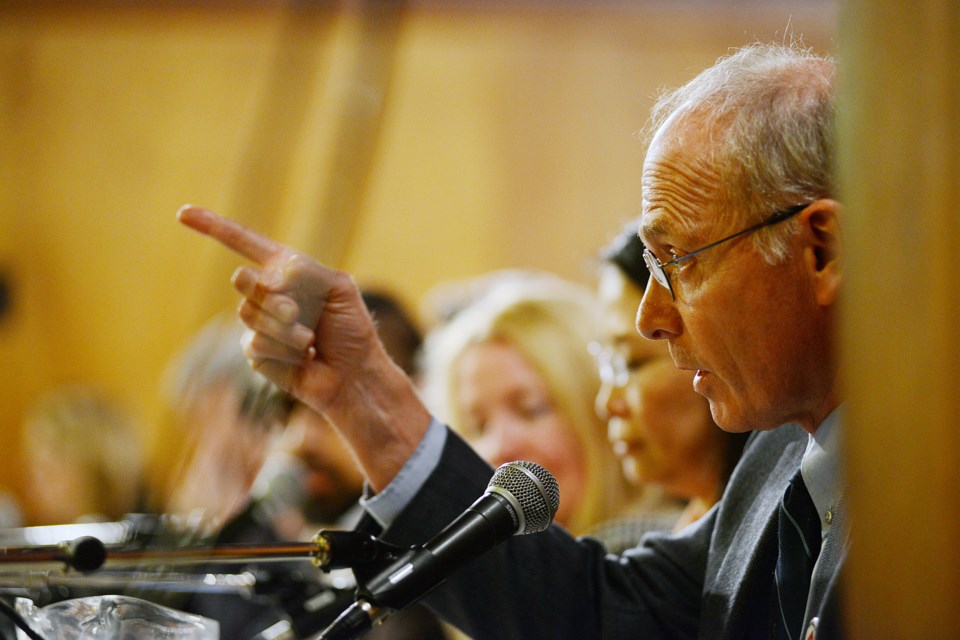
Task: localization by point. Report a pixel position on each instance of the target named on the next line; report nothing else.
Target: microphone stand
(327, 550)
(241, 584)
(37, 567)
(84, 554)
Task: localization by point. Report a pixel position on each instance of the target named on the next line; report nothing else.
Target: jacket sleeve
(550, 585)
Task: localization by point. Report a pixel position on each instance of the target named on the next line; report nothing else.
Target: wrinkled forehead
(680, 184)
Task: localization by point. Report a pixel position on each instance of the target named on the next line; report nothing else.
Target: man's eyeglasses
(659, 269)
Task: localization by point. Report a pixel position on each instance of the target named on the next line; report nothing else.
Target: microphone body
(487, 522)
(522, 498)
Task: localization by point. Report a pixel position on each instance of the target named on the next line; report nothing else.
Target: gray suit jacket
(711, 580)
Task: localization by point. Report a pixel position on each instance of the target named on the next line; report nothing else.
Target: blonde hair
(551, 322)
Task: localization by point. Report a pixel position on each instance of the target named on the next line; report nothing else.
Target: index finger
(231, 234)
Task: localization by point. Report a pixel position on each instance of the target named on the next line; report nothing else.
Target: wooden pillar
(900, 337)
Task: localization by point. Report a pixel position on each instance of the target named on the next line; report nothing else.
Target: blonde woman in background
(511, 372)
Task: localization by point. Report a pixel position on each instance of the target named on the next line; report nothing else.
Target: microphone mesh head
(534, 488)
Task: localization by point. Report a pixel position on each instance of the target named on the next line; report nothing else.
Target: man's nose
(657, 317)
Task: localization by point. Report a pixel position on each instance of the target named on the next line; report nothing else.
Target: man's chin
(729, 421)
(735, 420)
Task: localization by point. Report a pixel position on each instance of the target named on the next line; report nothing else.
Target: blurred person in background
(660, 428)
(227, 415)
(401, 335)
(84, 461)
(310, 479)
(512, 373)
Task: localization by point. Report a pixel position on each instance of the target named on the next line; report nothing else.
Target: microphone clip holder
(334, 549)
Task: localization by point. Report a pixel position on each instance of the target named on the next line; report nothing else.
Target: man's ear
(823, 248)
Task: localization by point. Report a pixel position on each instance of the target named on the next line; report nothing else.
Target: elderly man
(743, 240)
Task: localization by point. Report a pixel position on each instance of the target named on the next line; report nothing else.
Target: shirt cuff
(385, 506)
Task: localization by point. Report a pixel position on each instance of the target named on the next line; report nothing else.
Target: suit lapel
(745, 541)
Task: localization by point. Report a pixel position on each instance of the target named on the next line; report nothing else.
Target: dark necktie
(799, 536)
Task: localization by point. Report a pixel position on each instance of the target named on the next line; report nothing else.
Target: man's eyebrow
(652, 232)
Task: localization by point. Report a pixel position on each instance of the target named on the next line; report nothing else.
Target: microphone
(521, 498)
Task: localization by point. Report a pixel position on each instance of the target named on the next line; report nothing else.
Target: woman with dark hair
(660, 428)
